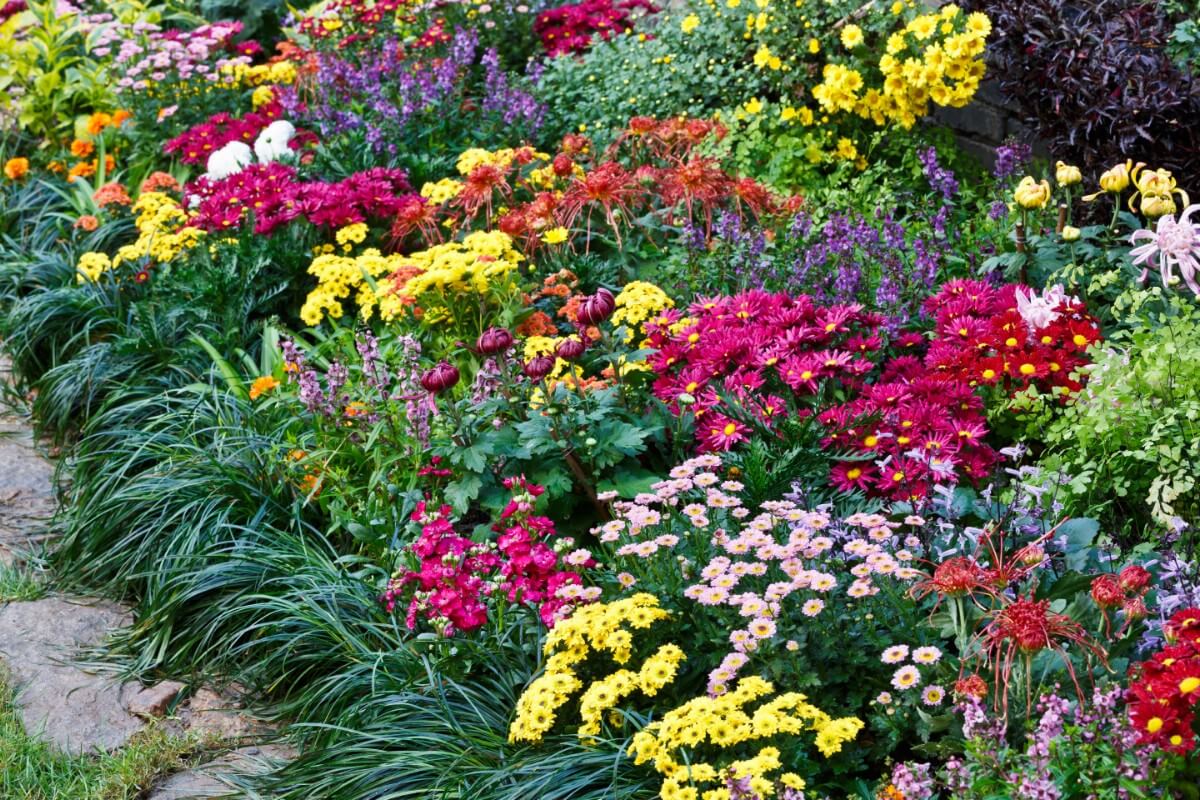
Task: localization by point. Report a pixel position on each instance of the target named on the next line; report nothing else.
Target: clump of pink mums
(458, 579)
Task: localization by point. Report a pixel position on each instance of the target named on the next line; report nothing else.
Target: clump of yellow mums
(639, 301)
(727, 722)
(483, 264)
(239, 75)
(435, 279)
(441, 192)
(599, 629)
(162, 236)
(503, 158)
(934, 58)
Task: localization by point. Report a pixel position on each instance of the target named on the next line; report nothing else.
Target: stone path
(80, 711)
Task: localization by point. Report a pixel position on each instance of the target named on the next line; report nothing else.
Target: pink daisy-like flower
(906, 677)
(812, 607)
(884, 698)
(1174, 243)
(860, 588)
(823, 582)
(927, 655)
(933, 695)
(894, 654)
(625, 579)
(761, 628)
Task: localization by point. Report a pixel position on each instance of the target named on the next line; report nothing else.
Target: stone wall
(985, 123)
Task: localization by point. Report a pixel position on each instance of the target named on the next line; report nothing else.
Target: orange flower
(160, 181)
(56, 167)
(262, 385)
(120, 116)
(537, 324)
(110, 194)
(84, 169)
(16, 168)
(87, 222)
(109, 164)
(82, 148)
(98, 122)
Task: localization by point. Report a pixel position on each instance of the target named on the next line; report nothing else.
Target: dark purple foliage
(1094, 78)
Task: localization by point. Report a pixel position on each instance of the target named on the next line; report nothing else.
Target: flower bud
(1107, 591)
(1066, 175)
(1070, 233)
(440, 378)
(1116, 179)
(563, 165)
(1157, 205)
(596, 308)
(570, 349)
(539, 367)
(1135, 608)
(494, 341)
(1031, 194)
(1134, 578)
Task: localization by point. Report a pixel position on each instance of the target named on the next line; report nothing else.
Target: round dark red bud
(563, 165)
(596, 308)
(539, 367)
(494, 341)
(1135, 579)
(439, 379)
(570, 349)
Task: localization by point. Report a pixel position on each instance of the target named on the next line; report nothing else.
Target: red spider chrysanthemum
(1024, 627)
(955, 577)
(609, 186)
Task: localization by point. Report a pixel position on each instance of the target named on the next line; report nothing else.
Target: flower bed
(619, 400)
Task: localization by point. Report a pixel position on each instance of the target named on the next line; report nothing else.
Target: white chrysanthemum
(229, 160)
(272, 143)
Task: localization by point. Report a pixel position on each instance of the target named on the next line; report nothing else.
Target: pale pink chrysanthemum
(906, 677)
(1174, 243)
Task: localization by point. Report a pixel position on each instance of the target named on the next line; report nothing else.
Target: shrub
(1096, 82)
(1130, 444)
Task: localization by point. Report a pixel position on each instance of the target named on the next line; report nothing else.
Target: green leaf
(460, 493)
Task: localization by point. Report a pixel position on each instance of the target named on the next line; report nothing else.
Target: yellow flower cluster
(594, 629)
(443, 191)
(337, 275)
(483, 263)
(638, 302)
(468, 160)
(936, 57)
(261, 96)
(259, 74)
(162, 236)
(727, 721)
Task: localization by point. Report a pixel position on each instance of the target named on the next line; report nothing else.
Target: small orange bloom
(56, 167)
(84, 169)
(120, 116)
(111, 194)
(98, 122)
(82, 148)
(262, 385)
(87, 222)
(160, 181)
(16, 168)
(537, 324)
